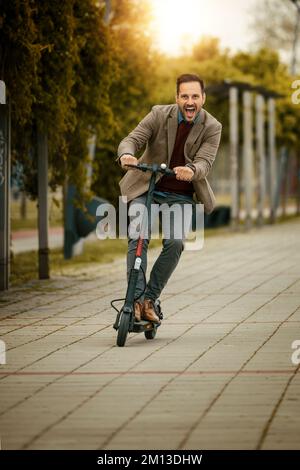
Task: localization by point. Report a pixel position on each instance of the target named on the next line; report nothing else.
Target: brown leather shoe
(149, 312)
(138, 309)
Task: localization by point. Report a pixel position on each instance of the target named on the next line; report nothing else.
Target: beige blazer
(158, 132)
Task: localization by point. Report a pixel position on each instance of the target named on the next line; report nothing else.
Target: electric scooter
(125, 321)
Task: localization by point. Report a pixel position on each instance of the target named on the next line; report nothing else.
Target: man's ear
(204, 98)
(176, 99)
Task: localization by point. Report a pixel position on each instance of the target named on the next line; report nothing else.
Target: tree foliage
(262, 67)
(266, 70)
(274, 22)
(19, 54)
(131, 91)
(57, 63)
(73, 75)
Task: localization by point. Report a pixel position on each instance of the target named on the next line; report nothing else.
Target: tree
(274, 23)
(132, 88)
(262, 67)
(267, 70)
(19, 55)
(56, 62)
(94, 72)
(53, 110)
(207, 48)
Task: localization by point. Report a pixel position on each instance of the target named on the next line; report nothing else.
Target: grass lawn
(24, 266)
(30, 222)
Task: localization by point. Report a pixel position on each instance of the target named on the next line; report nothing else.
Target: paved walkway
(219, 374)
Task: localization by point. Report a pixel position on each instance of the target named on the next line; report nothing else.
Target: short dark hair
(189, 77)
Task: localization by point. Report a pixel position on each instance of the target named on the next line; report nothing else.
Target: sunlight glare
(176, 24)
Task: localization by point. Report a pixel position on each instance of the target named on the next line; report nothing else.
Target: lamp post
(293, 72)
(4, 189)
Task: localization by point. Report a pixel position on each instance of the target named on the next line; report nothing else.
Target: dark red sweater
(170, 183)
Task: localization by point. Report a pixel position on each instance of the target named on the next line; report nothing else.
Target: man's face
(190, 100)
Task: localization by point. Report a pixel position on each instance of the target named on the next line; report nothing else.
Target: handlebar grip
(169, 172)
(145, 167)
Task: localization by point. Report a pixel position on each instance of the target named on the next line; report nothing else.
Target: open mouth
(190, 112)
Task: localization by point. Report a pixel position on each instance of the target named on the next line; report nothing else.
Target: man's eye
(196, 97)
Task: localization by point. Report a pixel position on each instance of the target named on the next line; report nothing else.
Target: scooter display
(125, 321)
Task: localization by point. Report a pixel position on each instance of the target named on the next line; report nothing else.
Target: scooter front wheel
(123, 329)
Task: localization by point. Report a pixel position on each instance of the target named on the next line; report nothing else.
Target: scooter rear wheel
(150, 334)
(123, 329)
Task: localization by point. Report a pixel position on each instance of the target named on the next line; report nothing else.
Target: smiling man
(185, 137)
(190, 99)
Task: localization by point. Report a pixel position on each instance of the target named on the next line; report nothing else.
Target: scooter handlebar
(154, 168)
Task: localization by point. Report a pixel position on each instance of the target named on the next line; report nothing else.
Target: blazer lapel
(172, 130)
(194, 133)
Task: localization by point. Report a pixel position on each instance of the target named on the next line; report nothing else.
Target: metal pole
(248, 156)
(281, 188)
(43, 205)
(272, 158)
(297, 181)
(293, 72)
(107, 11)
(234, 142)
(70, 233)
(261, 158)
(23, 206)
(91, 150)
(4, 189)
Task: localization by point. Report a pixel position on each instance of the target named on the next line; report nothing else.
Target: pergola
(264, 100)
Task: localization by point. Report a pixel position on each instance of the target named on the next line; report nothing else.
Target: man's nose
(190, 100)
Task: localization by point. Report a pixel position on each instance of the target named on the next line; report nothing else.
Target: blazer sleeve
(207, 152)
(139, 136)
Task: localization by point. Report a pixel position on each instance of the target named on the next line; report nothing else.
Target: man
(186, 138)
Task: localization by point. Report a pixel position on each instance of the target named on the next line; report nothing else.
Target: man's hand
(183, 173)
(128, 160)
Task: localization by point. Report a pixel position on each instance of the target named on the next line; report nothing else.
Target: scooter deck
(143, 325)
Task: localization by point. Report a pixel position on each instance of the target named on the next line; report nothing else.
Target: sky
(175, 20)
